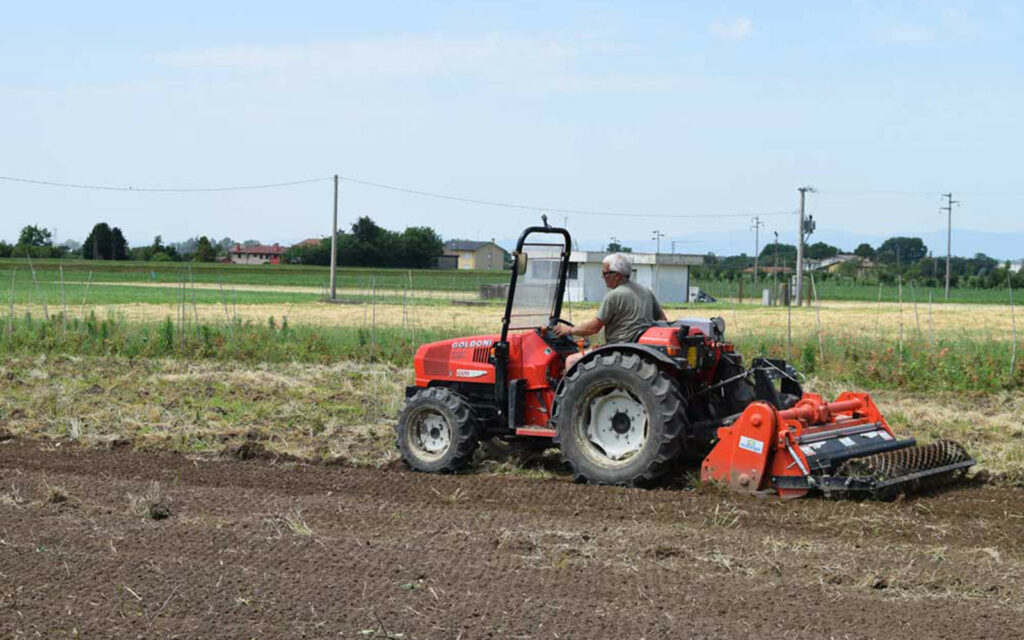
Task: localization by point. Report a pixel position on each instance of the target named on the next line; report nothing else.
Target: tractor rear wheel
(436, 431)
(620, 420)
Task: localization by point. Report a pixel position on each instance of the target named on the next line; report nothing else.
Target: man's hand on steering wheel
(562, 328)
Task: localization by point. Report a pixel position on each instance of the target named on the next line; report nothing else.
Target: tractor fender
(659, 358)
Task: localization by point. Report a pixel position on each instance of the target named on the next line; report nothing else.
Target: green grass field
(265, 275)
(832, 290)
(353, 278)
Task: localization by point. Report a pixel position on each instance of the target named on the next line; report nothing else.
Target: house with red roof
(256, 254)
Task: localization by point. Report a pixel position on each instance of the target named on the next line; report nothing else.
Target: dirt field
(114, 543)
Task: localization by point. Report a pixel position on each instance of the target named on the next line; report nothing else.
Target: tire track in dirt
(254, 549)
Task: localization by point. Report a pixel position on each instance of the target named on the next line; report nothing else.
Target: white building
(669, 271)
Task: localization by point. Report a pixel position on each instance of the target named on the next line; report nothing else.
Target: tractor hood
(461, 359)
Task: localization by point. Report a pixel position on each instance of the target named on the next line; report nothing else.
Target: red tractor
(627, 412)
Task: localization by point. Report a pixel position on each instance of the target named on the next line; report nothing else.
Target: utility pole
(334, 242)
(756, 225)
(800, 246)
(658, 235)
(949, 232)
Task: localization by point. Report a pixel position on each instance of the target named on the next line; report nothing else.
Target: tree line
(897, 257)
(366, 245)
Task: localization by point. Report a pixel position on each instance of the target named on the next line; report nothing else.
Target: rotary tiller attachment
(843, 448)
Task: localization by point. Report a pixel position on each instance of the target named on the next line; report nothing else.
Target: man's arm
(588, 328)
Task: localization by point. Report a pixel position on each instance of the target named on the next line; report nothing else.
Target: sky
(686, 119)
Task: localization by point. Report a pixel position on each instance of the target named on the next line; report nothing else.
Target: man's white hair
(619, 264)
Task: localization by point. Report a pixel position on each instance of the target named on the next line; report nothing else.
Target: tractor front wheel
(436, 431)
(620, 420)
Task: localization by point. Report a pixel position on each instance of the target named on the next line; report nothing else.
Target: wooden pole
(789, 325)
(931, 335)
(334, 242)
(878, 312)
(10, 319)
(181, 311)
(85, 295)
(1013, 324)
(63, 302)
(224, 301)
(899, 285)
(35, 283)
(917, 319)
(817, 305)
(195, 309)
(373, 326)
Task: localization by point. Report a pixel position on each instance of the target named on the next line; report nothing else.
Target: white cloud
(491, 55)
(738, 29)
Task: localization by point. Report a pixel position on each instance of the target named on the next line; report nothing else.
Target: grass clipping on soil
(345, 412)
(340, 412)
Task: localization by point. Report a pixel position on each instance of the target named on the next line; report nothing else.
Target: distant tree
(318, 254)
(118, 245)
(864, 250)
(97, 245)
(821, 250)
(909, 249)
(33, 236)
(787, 254)
(420, 246)
(5, 249)
(205, 251)
(615, 247)
(72, 245)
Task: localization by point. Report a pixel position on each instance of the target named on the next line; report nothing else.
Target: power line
(585, 212)
(93, 187)
(390, 187)
(898, 192)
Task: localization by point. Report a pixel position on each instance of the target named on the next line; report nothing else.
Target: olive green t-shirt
(627, 310)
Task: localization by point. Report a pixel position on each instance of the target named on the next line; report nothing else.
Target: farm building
(476, 255)
(256, 254)
(667, 274)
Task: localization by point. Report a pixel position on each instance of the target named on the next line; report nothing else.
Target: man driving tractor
(626, 310)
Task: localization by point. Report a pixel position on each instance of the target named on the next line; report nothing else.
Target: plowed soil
(117, 543)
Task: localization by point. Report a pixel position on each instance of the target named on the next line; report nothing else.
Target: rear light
(673, 351)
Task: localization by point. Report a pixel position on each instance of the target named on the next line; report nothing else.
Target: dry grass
(346, 411)
(949, 321)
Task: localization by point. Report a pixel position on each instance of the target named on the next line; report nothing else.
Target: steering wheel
(562, 344)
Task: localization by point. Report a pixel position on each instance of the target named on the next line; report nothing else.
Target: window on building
(574, 270)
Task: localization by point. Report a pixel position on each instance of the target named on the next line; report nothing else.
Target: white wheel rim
(431, 435)
(618, 425)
